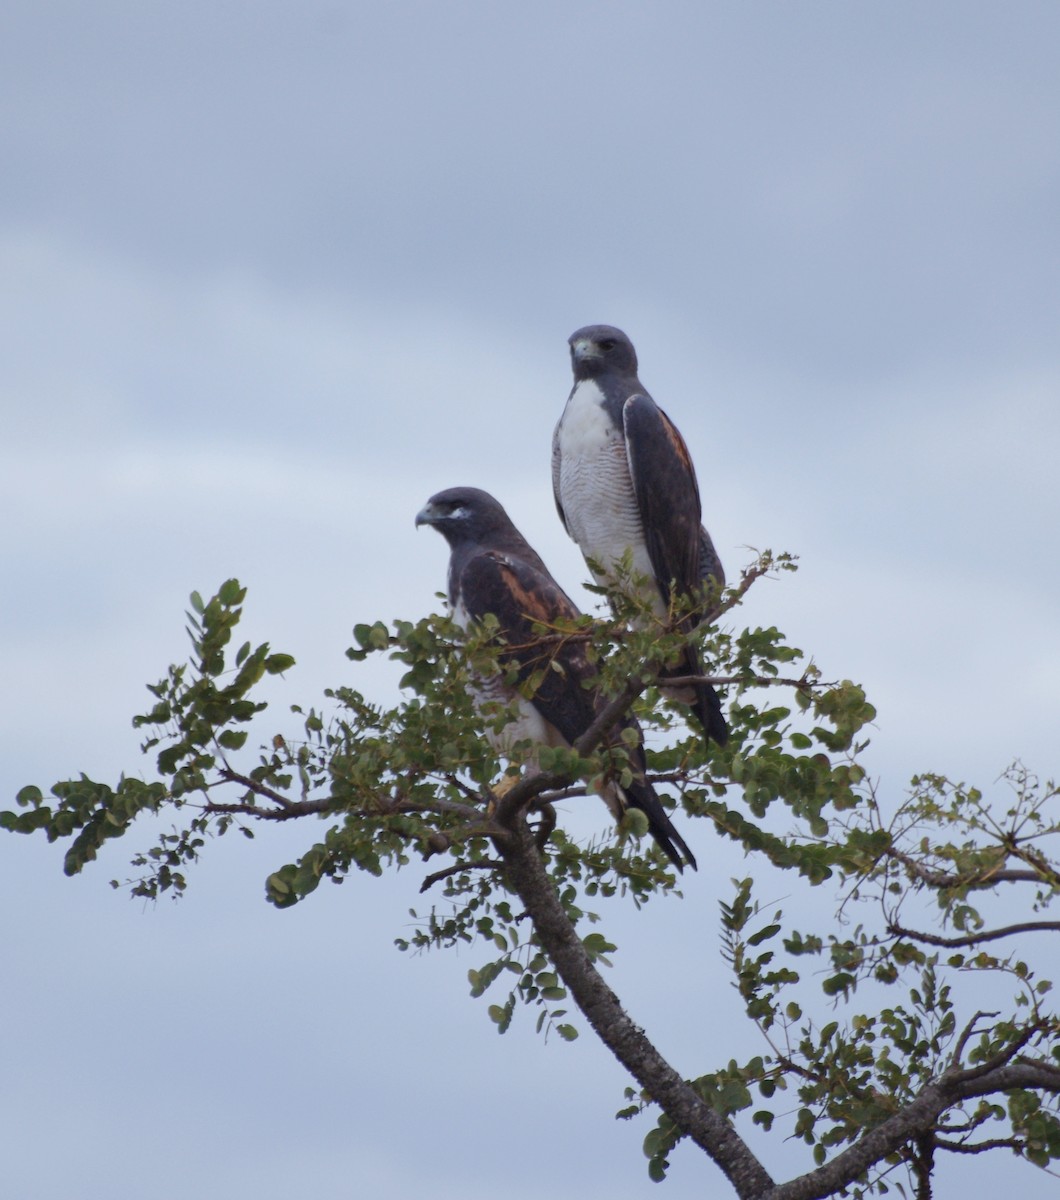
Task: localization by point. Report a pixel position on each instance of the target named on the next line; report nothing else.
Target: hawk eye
(607, 344)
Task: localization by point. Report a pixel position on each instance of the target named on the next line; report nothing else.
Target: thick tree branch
(1022, 1073)
(519, 797)
(623, 1038)
(917, 1118)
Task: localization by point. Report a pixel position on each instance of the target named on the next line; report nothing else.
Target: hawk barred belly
(623, 482)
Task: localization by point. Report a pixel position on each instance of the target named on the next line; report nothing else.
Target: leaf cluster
(915, 1073)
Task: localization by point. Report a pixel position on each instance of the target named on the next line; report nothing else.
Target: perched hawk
(624, 481)
(492, 569)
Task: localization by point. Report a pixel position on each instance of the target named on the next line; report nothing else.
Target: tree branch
(980, 1147)
(485, 864)
(1001, 1059)
(528, 786)
(266, 792)
(1022, 1073)
(973, 939)
(288, 809)
(975, 879)
(292, 810)
(629, 1044)
(474, 816)
(746, 680)
(923, 1160)
(967, 1032)
(916, 1118)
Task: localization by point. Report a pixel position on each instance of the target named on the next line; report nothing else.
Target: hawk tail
(707, 709)
(700, 697)
(640, 794)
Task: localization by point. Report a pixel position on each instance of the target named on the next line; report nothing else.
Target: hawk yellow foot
(499, 790)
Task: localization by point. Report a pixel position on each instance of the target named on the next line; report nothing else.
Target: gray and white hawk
(492, 569)
(623, 481)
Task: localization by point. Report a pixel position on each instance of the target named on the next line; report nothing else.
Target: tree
(922, 1072)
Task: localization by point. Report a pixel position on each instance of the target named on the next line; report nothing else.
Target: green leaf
(230, 593)
(635, 821)
(838, 984)
(763, 935)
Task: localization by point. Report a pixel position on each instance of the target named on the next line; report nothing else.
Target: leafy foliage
(879, 1060)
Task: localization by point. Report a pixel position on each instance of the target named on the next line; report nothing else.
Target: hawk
(492, 569)
(624, 482)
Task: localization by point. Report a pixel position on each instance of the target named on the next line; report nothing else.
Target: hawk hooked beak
(584, 348)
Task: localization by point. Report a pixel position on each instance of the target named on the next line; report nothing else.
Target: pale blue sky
(270, 275)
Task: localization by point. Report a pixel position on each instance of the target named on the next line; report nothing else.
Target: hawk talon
(498, 791)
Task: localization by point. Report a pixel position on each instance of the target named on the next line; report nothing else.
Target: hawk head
(598, 349)
(464, 514)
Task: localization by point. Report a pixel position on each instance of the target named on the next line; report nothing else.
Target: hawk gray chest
(592, 480)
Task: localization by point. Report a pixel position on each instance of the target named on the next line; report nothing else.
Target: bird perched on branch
(492, 569)
(624, 483)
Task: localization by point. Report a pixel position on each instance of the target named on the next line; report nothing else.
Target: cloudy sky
(270, 275)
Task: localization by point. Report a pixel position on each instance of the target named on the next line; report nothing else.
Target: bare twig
(967, 1032)
(258, 788)
(973, 939)
(980, 1147)
(461, 786)
(749, 680)
(292, 810)
(483, 864)
(436, 805)
(1003, 1057)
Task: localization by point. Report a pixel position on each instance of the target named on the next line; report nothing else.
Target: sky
(270, 276)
